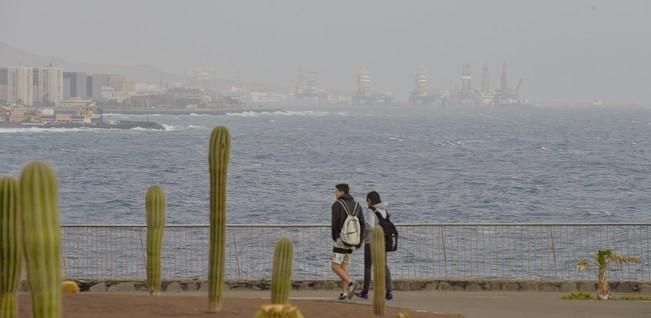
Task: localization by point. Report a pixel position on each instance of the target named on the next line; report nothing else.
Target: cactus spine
(155, 204)
(10, 253)
(378, 256)
(41, 238)
(281, 278)
(218, 155)
(278, 311)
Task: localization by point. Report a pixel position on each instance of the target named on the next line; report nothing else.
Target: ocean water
(430, 164)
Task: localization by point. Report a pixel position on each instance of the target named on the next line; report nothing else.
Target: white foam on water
(306, 113)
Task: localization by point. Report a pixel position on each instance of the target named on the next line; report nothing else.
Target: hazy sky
(564, 49)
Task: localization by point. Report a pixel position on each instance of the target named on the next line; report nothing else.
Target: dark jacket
(339, 217)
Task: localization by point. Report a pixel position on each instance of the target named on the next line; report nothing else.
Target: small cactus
(155, 205)
(70, 287)
(10, 255)
(378, 256)
(281, 278)
(218, 156)
(41, 238)
(278, 311)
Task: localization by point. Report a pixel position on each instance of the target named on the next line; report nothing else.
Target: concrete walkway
(490, 304)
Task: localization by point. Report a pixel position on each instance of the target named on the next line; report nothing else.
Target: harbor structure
(364, 95)
(421, 94)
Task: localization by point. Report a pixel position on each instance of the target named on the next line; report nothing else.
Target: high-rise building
(74, 85)
(48, 85)
(18, 86)
(4, 80)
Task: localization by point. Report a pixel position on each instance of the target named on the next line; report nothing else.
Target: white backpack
(351, 231)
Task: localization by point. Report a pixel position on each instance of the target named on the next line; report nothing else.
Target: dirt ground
(144, 306)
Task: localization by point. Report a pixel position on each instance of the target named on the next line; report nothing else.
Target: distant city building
(205, 80)
(94, 84)
(16, 84)
(4, 80)
(48, 85)
(74, 85)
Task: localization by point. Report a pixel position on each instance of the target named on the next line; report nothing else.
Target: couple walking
(347, 239)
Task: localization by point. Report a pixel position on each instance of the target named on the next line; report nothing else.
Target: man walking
(347, 234)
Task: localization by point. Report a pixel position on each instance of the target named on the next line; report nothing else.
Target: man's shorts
(339, 256)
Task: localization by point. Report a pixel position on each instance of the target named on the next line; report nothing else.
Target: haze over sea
(431, 164)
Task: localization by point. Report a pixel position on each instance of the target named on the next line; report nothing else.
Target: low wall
(643, 288)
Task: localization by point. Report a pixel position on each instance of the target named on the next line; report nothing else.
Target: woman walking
(375, 207)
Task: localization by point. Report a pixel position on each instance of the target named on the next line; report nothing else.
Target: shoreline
(217, 112)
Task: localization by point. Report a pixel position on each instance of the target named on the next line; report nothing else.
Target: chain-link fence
(426, 251)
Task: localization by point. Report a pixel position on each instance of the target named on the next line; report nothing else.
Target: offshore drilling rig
(486, 95)
(364, 95)
(421, 94)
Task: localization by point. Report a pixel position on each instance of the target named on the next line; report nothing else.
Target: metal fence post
(551, 238)
(445, 255)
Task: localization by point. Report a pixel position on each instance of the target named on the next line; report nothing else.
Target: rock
(445, 286)
(203, 287)
(548, 287)
(529, 286)
(122, 287)
(458, 285)
(493, 285)
(329, 285)
(417, 285)
(398, 284)
(625, 287)
(474, 286)
(431, 286)
(98, 288)
(510, 286)
(587, 286)
(645, 289)
(568, 286)
(174, 287)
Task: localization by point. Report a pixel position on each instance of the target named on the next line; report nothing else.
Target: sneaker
(351, 288)
(362, 294)
(342, 296)
(388, 296)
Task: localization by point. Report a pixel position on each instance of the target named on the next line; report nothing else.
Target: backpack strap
(346, 208)
(380, 215)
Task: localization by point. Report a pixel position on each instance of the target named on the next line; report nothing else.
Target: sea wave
(306, 113)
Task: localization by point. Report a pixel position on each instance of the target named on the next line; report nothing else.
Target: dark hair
(343, 188)
(374, 198)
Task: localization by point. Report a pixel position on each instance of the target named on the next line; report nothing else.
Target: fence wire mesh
(426, 251)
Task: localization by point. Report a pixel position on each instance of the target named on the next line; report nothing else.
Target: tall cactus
(378, 256)
(41, 238)
(281, 278)
(218, 155)
(155, 204)
(10, 253)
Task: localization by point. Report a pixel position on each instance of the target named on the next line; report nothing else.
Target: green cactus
(155, 204)
(378, 256)
(219, 153)
(10, 255)
(41, 238)
(278, 311)
(281, 278)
